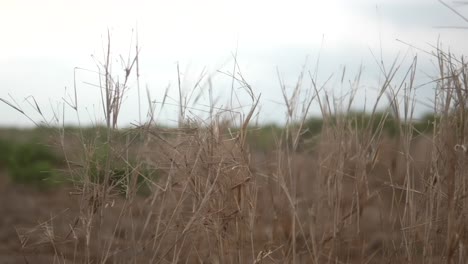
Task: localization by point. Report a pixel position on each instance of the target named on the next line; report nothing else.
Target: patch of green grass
(362, 121)
(121, 173)
(31, 163)
(264, 138)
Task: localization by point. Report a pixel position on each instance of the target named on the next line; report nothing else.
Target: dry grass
(356, 196)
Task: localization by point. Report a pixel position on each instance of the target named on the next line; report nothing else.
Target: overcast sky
(43, 41)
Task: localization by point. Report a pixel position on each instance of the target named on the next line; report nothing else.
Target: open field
(37, 223)
(379, 187)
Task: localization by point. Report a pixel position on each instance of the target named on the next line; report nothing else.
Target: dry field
(216, 203)
(200, 193)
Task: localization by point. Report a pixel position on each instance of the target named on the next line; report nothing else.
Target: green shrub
(314, 126)
(264, 138)
(426, 124)
(120, 171)
(360, 121)
(5, 152)
(32, 163)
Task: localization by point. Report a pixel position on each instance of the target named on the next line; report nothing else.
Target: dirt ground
(41, 226)
(27, 211)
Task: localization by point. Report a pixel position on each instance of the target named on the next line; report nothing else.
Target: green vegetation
(361, 121)
(30, 163)
(122, 172)
(36, 163)
(266, 138)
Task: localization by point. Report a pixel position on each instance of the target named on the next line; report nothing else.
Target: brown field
(200, 193)
(215, 204)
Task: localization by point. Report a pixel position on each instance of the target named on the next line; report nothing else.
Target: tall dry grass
(198, 193)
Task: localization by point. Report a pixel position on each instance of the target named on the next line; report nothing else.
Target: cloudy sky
(44, 41)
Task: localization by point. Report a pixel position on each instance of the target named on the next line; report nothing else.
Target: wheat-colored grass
(199, 193)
